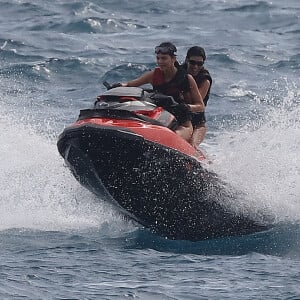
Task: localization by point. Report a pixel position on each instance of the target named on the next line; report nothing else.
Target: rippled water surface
(57, 240)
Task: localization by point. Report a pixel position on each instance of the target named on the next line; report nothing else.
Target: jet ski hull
(162, 188)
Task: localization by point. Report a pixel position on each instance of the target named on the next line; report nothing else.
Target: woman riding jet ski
(125, 151)
(172, 80)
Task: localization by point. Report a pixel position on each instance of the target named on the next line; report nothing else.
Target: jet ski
(125, 151)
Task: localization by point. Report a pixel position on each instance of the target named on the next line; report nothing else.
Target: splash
(38, 192)
(264, 160)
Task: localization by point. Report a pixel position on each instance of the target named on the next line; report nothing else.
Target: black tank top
(200, 78)
(175, 87)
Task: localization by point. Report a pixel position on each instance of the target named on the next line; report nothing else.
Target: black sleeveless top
(200, 78)
(175, 87)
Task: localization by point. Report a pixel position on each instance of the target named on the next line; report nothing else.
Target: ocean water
(59, 241)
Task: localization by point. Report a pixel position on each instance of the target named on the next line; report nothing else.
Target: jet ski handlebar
(157, 98)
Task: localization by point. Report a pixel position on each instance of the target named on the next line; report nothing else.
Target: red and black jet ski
(125, 151)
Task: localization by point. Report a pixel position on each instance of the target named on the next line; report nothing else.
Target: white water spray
(38, 192)
(264, 162)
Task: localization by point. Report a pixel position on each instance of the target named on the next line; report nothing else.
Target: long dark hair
(195, 51)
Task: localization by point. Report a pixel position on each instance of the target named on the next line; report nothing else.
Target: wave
(9, 52)
(292, 63)
(90, 25)
(259, 6)
(224, 58)
(281, 240)
(37, 191)
(125, 72)
(77, 18)
(261, 158)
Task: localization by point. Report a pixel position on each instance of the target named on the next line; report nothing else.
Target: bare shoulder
(143, 79)
(192, 81)
(147, 75)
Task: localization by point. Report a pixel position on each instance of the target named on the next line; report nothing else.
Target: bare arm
(143, 79)
(197, 104)
(203, 88)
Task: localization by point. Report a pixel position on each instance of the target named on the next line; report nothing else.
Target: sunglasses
(165, 50)
(196, 63)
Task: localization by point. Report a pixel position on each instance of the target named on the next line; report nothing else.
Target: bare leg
(198, 136)
(185, 130)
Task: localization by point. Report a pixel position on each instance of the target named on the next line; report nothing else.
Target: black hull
(164, 190)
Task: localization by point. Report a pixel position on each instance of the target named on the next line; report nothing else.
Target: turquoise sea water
(57, 240)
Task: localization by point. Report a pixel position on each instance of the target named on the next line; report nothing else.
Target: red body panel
(154, 133)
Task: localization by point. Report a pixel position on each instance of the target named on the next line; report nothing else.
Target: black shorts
(198, 119)
(181, 112)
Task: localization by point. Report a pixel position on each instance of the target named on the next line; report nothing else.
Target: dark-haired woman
(169, 79)
(194, 65)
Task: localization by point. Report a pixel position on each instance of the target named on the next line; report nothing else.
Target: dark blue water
(57, 240)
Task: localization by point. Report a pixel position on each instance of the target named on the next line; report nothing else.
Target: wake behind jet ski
(125, 151)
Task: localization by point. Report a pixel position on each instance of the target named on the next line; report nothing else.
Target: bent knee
(199, 126)
(187, 124)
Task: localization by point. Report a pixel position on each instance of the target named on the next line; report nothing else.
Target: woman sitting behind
(193, 64)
